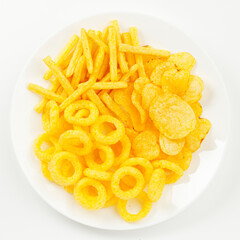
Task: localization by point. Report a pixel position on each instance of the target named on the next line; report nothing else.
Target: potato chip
(76, 141)
(194, 91)
(145, 145)
(127, 171)
(171, 146)
(140, 83)
(146, 207)
(182, 60)
(173, 170)
(197, 108)
(55, 165)
(149, 92)
(71, 117)
(101, 158)
(195, 138)
(156, 184)
(173, 117)
(151, 64)
(112, 137)
(90, 200)
(97, 174)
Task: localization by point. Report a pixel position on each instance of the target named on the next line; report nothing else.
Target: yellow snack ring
(172, 116)
(111, 138)
(83, 197)
(142, 164)
(127, 171)
(45, 171)
(156, 184)
(111, 201)
(103, 161)
(121, 150)
(176, 170)
(72, 141)
(79, 105)
(55, 166)
(45, 155)
(145, 145)
(69, 189)
(50, 117)
(171, 146)
(146, 207)
(97, 174)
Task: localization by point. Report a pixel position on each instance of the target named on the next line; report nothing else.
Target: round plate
(26, 123)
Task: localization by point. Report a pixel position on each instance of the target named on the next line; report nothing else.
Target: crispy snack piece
(98, 40)
(97, 174)
(109, 85)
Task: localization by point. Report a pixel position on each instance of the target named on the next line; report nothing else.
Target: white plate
(26, 123)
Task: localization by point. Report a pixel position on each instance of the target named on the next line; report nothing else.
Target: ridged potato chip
(173, 117)
(171, 146)
(145, 145)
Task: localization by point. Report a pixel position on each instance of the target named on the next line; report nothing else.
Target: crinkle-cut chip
(146, 207)
(183, 159)
(172, 116)
(97, 174)
(45, 171)
(156, 184)
(123, 98)
(90, 193)
(101, 158)
(197, 108)
(140, 83)
(149, 92)
(143, 165)
(157, 73)
(171, 146)
(121, 150)
(56, 164)
(182, 60)
(137, 102)
(175, 81)
(172, 170)
(76, 141)
(194, 91)
(145, 145)
(151, 64)
(69, 189)
(121, 173)
(195, 138)
(112, 137)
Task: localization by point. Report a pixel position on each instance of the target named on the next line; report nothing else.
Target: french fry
(67, 60)
(104, 67)
(143, 50)
(99, 34)
(112, 42)
(87, 50)
(78, 72)
(97, 101)
(45, 92)
(98, 41)
(109, 85)
(59, 75)
(121, 56)
(130, 73)
(105, 34)
(139, 60)
(73, 63)
(83, 87)
(130, 57)
(63, 54)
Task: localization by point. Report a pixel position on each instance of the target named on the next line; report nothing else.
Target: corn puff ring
(97, 174)
(45, 155)
(45, 171)
(111, 201)
(67, 169)
(82, 104)
(142, 164)
(156, 184)
(55, 168)
(103, 161)
(83, 196)
(127, 171)
(146, 207)
(50, 117)
(121, 150)
(176, 170)
(69, 189)
(111, 138)
(72, 140)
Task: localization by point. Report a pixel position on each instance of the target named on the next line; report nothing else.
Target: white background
(25, 24)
